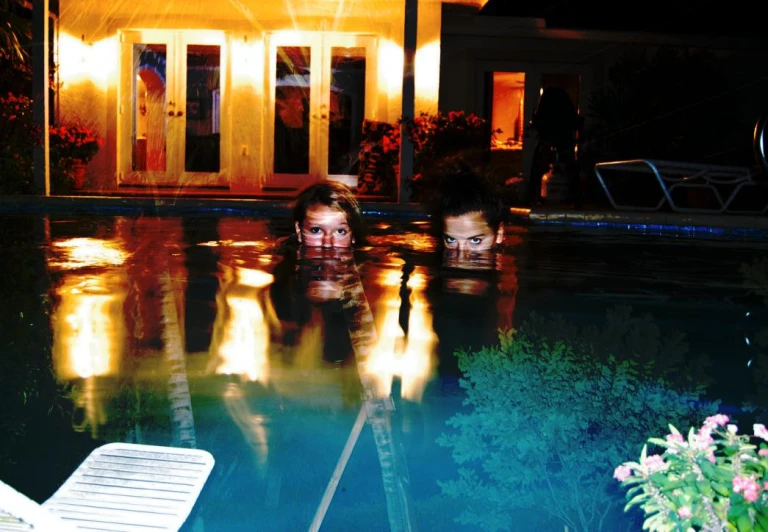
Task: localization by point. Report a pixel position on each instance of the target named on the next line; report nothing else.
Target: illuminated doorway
(508, 120)
(170, 118)
(321, 88)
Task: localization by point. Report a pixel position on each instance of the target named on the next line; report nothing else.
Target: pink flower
(675, 439)
(760, 431)
(747, 487)
(702, 440)
(763, 452)
(654, 463)
(684, 512)
(718, 420)
(622, 473)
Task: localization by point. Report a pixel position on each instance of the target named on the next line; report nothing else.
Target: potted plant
(73, 146)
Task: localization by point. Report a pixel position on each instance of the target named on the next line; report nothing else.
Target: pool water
(196, 332)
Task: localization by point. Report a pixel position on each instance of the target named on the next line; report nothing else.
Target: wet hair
(336, 196)
(463, 192)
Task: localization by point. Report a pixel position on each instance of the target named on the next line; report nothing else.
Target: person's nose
(463, 248)
(327, 240)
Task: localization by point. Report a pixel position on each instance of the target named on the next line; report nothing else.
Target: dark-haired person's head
(469, 214)
(327, 214)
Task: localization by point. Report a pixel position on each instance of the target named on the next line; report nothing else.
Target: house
(255, 98)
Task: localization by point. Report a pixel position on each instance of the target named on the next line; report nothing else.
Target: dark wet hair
(336, 196)
(464, 191)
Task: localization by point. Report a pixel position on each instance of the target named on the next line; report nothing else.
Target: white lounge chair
(730, 189)
(118, 487)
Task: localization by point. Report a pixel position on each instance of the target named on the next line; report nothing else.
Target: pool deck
(756, 226)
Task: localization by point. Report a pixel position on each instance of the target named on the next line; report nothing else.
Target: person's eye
(450, 240)
(342, 231)
(475, 240)
(314, 230)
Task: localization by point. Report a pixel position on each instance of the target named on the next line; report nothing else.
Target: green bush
(547, 423)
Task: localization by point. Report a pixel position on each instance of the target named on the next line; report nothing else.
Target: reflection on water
(200, 332)
(241, 332)
(406, 342)
(88, 325)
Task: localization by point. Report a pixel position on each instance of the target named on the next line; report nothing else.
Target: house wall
(474, 46)
(90, 54)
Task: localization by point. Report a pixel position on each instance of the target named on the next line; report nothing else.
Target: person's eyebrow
(479, 235)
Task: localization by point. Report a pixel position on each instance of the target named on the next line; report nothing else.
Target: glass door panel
(292, 110)
(319, 96)
(346, 109)
(202, 152)
(149, 125)
(170, 117)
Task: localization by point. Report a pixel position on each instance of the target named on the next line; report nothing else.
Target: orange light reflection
(241, 335)
(411, 357)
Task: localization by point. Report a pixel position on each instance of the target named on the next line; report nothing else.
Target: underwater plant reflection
(547, 420)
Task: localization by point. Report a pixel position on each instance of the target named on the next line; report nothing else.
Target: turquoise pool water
(95, 308)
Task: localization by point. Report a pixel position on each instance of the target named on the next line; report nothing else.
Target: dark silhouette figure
(557, 125)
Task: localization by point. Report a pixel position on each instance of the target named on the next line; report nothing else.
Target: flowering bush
(715, 479)
(379, 158)
(74, 142)
(437, 139)
(17, 138)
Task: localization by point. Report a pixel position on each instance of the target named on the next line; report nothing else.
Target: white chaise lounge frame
(672, 175)
(119, 487)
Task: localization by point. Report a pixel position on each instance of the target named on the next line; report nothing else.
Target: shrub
(545, 426)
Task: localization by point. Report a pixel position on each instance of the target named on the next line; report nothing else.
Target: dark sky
(721, 17)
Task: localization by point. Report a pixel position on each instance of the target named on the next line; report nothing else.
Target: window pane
(149, 101)
(292, 100)
(203, 108)
(345, 123)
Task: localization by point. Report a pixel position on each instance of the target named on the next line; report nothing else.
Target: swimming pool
(99, 310)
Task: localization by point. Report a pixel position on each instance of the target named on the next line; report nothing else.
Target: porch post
(40, 95)
(409, 98)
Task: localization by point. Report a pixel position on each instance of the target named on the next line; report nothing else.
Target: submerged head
(469, 214)
(327, 214)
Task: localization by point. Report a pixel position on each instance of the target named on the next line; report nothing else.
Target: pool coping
(81, 204)
(753, 225)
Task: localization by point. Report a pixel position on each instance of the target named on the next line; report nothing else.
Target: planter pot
(78, 174)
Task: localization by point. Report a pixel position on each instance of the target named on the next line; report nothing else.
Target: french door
(319, 92)
(170, 118)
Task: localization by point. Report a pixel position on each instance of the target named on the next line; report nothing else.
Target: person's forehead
(321, 214)
(471, 222)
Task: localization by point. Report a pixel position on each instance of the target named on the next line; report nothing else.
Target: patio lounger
(725, 187)
(118, 487)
